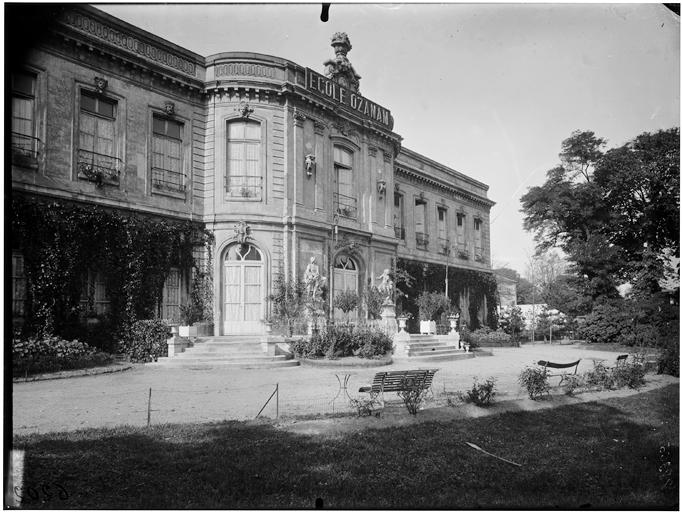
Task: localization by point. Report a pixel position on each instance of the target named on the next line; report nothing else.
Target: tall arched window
(244, 178)
(345, 202)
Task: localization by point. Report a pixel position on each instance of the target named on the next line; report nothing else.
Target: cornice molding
(418, 177)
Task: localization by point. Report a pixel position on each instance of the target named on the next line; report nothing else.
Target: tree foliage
(605, 209)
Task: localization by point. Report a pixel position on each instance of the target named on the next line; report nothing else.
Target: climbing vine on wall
(134, 253)
(431, 277)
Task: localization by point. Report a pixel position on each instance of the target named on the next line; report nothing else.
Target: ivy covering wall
(428, 277)
(134, 253)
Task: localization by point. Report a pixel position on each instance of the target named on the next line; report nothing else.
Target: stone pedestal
(388, 323)
(176, 344)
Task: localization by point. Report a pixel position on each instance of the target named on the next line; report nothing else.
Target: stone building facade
(280, 162)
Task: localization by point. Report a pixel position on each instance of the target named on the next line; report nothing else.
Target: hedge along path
(183, 396)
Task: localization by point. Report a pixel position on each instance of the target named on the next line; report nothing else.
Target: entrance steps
(236, 351)
(426, 347)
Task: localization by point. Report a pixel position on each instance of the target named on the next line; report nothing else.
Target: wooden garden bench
(562, 369)
(621, 359)
(403, 380)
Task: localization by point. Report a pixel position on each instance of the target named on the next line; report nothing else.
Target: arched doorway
(346, 277)
(243, 290)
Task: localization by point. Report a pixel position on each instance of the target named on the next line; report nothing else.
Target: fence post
(149, 407)
(277, 403)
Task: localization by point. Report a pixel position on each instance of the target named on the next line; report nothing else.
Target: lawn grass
(598, 455)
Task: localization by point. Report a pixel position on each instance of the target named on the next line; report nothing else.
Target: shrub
(482, 394)
(413, 396)
(375, 343)
(512, 321)
(573, 383)
(287, 301)
(669, 361)
(485, 336)
(599, 377)
(630, 375)
(347, 301)
(52, 353)
(343, 341)
(430, 304)
(145, 341)
(535, 381)
(374, 300)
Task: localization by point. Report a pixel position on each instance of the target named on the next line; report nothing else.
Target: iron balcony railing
(346, 206)
(478, 254)
(25, 149)
(399, 232)
(422, 239)
(248, 187)
(102, 169)
(462, 251)
(444, 245)
(167, 180)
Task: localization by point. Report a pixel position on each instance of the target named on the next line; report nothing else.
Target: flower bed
(334, 342)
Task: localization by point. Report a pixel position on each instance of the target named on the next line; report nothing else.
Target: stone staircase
(427, 347)
(237, 351)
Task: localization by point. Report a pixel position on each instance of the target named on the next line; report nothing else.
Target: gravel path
(185, 395)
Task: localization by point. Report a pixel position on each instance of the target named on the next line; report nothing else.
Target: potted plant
(189, 314)
(430, 304)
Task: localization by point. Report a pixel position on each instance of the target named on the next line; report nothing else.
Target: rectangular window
(170, 308)
(24, 142)
(94, 298)
(443, 240)
(461, 230)
(96, 140)
(399, 215)
(18, 286)
(478, 246)
(244, 177)
(167, 175)
(345, 202)
(420, 225)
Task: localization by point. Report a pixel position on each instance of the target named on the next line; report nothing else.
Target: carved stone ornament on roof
(100, 85)
(339, 69)
(244, 109)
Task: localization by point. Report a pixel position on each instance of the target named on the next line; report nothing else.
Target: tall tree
(604, 210)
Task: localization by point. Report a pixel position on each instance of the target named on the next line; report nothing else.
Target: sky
(490, 90)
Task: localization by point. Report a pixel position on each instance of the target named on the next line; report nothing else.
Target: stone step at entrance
(425, 347)
(243, 352)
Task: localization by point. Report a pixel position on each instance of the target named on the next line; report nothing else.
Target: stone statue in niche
(385, 285)
(312, 278)
(339, 68)
(309, 165)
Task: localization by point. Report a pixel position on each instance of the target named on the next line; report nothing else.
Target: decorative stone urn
(402, 323)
